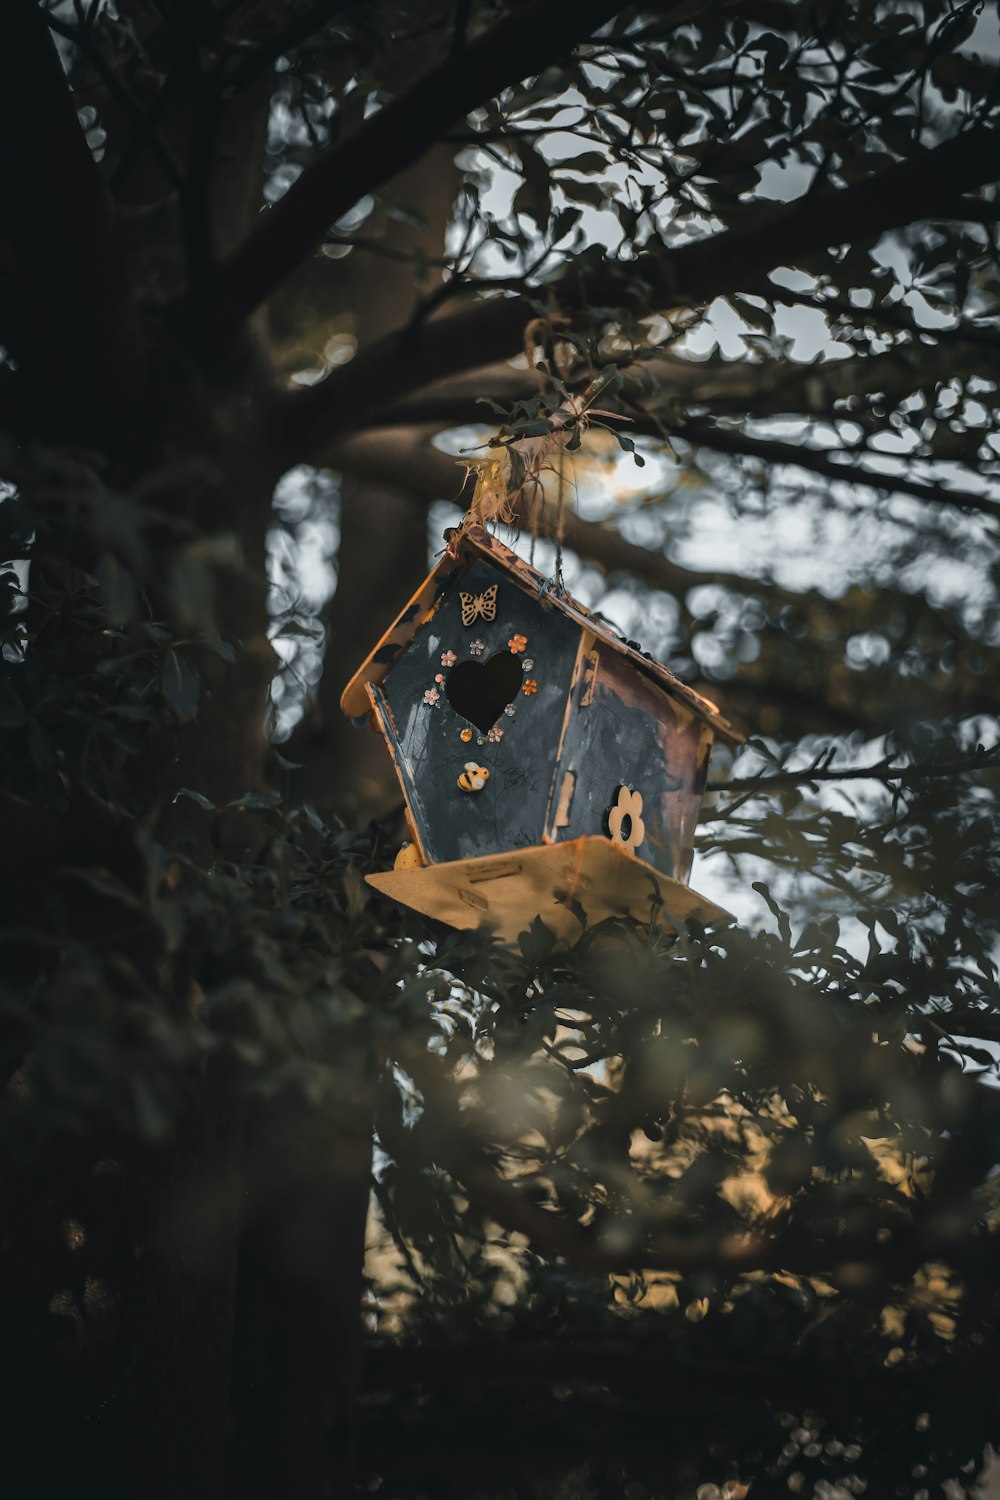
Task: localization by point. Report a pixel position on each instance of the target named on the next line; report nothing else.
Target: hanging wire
(560, 522)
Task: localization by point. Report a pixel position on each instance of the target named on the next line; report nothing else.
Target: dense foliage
(661, 1214)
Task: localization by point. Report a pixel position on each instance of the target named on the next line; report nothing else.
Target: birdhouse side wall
(472, 627)
(624, 731)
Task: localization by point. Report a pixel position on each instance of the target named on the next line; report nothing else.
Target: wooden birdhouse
(548, 767)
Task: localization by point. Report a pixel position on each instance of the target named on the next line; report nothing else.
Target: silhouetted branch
(667, 381)
(925, 186)
(75, 329)
(820, 461)
(407, 460)
(390, 141)
(981, 759)
(295, 34)
(120, 95)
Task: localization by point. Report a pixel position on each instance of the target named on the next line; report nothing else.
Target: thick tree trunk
(298, 1351)
(178, 1406)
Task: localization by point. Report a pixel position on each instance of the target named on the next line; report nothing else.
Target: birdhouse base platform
(503, 893)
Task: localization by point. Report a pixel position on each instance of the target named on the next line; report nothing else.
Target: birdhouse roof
(477, 543)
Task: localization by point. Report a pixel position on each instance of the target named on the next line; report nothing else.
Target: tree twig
(738, 259)
(391, 140)
(819, 461)
(884, 770)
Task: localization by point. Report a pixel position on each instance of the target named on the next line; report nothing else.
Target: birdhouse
(548, 767)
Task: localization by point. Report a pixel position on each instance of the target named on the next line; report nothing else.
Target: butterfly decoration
(479, 606)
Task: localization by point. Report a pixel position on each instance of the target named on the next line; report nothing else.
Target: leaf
(180, 686)
(784, 926)
(537, 942)
(199, 797)
(583, 192)
(534, 197)
(294, 627)
(564, 221)
(221, 648)
(355, 891)
(256, 801)
(589, 162)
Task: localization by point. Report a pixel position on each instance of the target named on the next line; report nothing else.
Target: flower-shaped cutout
(477, 647)
(431, 696)
(625, 820)
(448, 658)
(517, 643)
(529, 686)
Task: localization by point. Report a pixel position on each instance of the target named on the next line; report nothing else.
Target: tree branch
(733, 387)
(738, 259)
(292, 36)
(130, 109)
(75, 330)
(884, 770)
(406, 460)
(390, 141)
(819, 461)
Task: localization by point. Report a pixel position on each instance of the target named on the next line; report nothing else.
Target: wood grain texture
(624, 731)
(509, 812)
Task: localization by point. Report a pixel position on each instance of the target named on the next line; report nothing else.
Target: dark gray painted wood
(509, 813)
(633, 734)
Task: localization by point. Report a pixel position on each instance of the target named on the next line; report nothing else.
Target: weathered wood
(587, 879)
(509, 812)
(625, 731)
(515, 721)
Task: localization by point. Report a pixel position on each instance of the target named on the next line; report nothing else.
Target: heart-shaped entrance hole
(480, 691)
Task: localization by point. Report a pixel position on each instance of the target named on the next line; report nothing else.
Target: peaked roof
(475, 543)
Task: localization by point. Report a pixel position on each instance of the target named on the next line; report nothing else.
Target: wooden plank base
(503, 893)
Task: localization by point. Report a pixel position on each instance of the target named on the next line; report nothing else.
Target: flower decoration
(495, 734)
(448, 658)
(465, 735)
(477, 647)
(527, 664)
(530, 686)
(628, 809)
(517, 643)
(431, 696)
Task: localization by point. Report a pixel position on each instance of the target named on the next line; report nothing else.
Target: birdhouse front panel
(473, 711)
(632, 765)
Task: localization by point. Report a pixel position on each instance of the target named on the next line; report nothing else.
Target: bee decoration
(473, 778)
(517, 770)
